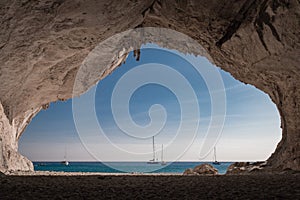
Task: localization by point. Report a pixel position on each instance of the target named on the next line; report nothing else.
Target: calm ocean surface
(175, 167)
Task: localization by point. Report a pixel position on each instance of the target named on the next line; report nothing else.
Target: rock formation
(203, 169)
(42, 44)
(245, 167)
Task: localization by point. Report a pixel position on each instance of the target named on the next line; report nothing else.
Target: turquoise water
(175, 167)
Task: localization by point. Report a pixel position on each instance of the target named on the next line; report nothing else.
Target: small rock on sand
(203, 169)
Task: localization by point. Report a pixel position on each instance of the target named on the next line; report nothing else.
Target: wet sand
(121, 186)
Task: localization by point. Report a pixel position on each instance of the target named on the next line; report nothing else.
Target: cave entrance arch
(257, 42)
(136, 55)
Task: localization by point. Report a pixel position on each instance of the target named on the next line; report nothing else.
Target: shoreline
(56, 173)
(147, 174)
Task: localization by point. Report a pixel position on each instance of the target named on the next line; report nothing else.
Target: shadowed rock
(2, 175)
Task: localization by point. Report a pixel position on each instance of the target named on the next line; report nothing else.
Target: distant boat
(215, 157)
(153, 160)
(162, 156)
(65, 162)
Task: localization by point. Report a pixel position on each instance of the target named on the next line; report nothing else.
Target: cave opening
(250, 132)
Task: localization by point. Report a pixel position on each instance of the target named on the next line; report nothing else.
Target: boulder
(203, 169)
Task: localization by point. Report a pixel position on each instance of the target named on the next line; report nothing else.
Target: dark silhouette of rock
(2, 175)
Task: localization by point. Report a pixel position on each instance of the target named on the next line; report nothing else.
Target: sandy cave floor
(283, 186)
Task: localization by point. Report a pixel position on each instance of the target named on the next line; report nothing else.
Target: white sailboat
(65, 162)
(162, 156)
(215, 157)
(154, 159)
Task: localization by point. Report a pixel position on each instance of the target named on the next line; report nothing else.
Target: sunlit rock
(203, 169)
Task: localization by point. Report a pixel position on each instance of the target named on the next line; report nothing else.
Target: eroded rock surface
(10, 159)
(203, 169)
(42, 44)
(246, 168)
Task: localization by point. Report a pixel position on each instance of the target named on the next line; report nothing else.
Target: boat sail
(215, 157)
(154, 159)
(65, 162)
(162, 156)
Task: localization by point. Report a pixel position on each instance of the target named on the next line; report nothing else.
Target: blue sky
(251, 130)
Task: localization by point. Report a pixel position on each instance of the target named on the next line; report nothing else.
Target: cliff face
(42, 44)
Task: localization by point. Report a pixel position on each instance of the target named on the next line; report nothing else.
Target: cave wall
(10, 159)
(42, 44)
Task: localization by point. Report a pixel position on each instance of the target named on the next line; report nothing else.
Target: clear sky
(251, 130)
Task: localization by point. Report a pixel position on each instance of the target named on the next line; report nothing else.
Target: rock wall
(42, 44)
(10, 159)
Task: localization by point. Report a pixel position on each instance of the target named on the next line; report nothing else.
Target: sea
(124, 167)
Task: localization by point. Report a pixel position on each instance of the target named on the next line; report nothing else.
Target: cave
(44, 43)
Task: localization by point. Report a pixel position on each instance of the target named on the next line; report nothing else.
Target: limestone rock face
(10, 159)
(42, 44)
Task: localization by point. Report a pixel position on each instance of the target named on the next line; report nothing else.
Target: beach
(62, 185)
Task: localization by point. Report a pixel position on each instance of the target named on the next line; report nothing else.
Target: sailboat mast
(153, 148)
(215, 154)
(162, 153)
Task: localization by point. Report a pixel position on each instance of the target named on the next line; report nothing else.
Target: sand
(43, 185)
